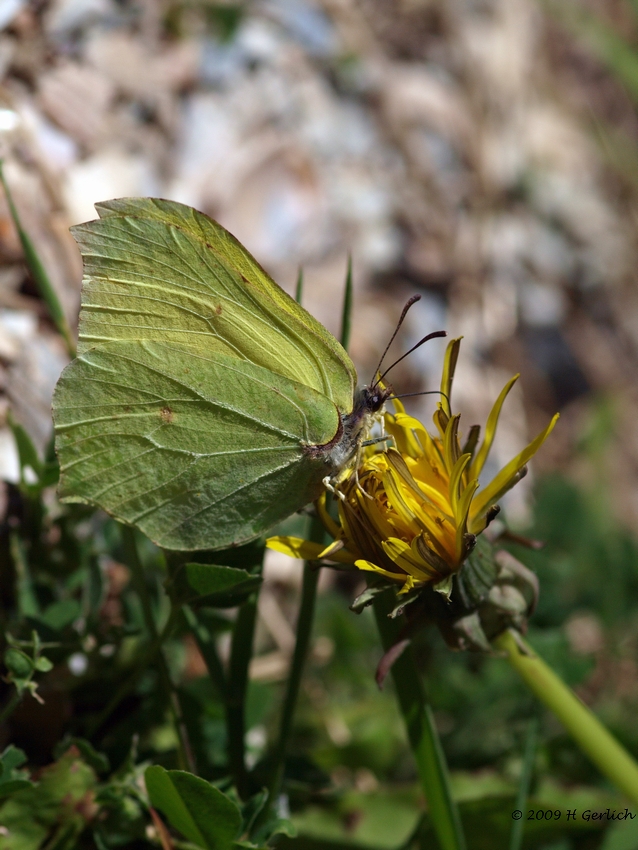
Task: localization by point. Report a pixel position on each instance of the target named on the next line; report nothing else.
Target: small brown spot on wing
(218, 309)
(166, 414)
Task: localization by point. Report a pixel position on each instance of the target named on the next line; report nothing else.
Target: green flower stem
(302, 642)
(591, 736)
(146, 658)
(236, 688)
(422, 734)
(185, 753)
(206, 644)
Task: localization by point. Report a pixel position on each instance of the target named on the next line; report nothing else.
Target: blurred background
(481, 153)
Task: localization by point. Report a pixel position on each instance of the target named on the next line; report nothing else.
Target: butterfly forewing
(158, 270)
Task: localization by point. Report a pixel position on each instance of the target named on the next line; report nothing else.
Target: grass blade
(299, 286)
(516, 835)
(40, 276)
(346, 314)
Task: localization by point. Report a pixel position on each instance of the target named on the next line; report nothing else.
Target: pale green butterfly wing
(197, 449)
(159, 270)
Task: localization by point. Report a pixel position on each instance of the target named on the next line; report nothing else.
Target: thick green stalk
(185, 752)
(236, 688)
(591, 736)
(422, 734)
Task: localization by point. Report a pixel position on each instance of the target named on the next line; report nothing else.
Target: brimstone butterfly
(205, 404)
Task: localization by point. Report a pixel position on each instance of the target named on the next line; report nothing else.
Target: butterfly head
(371, 399)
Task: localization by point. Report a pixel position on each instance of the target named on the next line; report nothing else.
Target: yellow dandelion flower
(411, 513)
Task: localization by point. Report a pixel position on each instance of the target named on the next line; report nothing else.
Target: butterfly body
(205, 405)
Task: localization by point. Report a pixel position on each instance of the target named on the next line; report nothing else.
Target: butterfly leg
(332, 489)
(356, 468)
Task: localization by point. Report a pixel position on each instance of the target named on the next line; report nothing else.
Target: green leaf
(53, 813)
(61, 614)
(43, 665)
(197, 809)
(366, 597)
(211, 584)
(98, 761)
(19, 665)
(12, 779)
(208, 579)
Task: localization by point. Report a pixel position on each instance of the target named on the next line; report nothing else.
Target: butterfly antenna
(433, 335)
(409, 303)
(426, 392)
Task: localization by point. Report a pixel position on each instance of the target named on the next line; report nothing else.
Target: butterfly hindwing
(198, 450)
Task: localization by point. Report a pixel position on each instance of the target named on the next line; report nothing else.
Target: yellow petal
(406, 442)
(326, 519)
(449, 366)
(296, 547)
(427, 445)
(419, 489)
(403, 557)
(408, 586)
(372, 568)
(451, 447)
(331, 549)
(490, 430)
(403, 503)
(494, 489)
(455, 483)
(376, 515)
(462, 514)
(415, 515)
